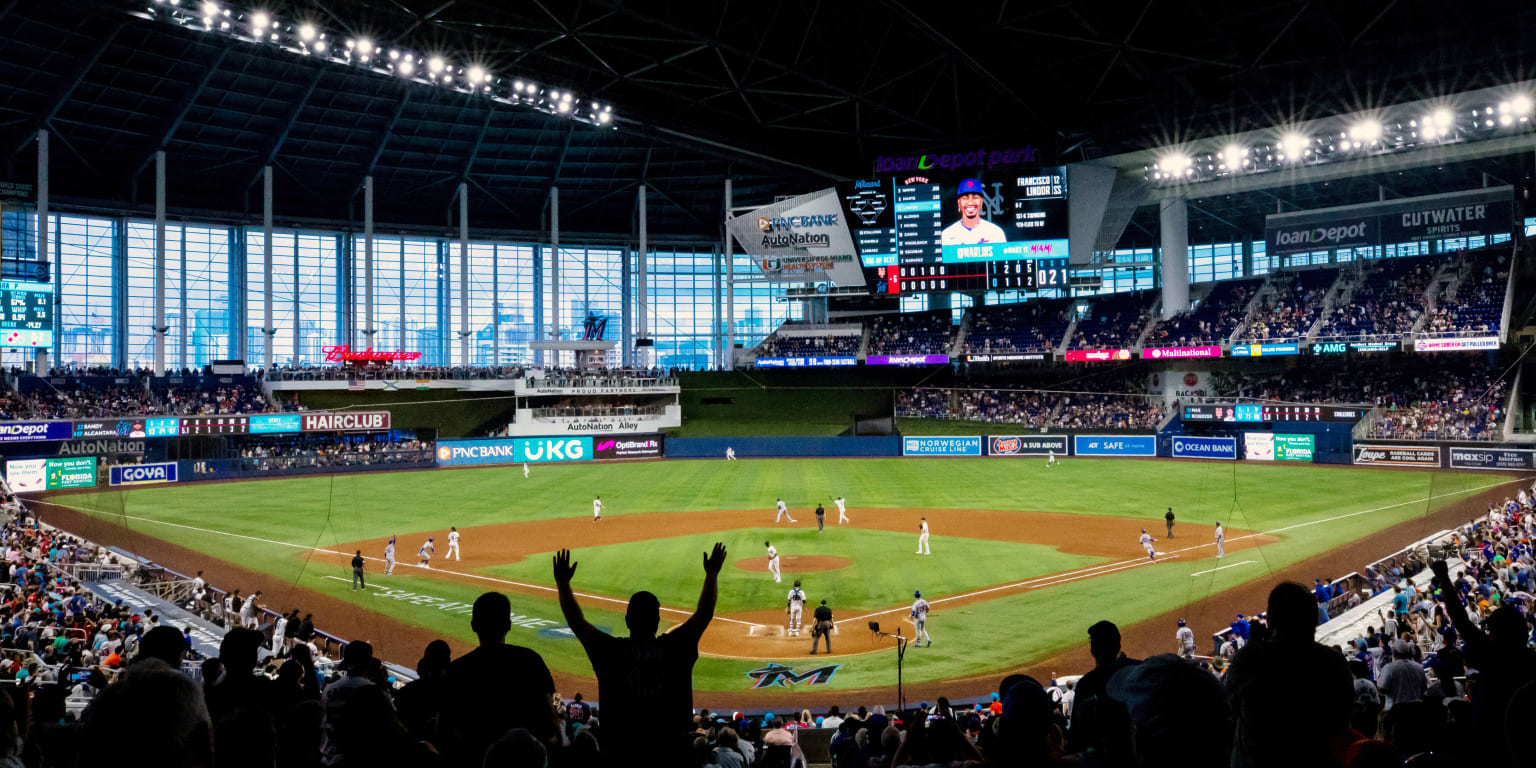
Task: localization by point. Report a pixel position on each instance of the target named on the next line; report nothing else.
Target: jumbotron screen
(1002, 230)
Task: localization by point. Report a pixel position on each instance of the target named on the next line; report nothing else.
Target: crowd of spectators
(195, 401)
(1386, 301)
(910, 334)
(1105, 402)
(829, 345)
(76, 398)
(1209, 324)
(1291, 311)
(1478, 306)
(1035, 326)
(1112, 322)
(372, 450)
(350, 372)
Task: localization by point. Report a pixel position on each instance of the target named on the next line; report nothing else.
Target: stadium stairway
(1066, 338)
(1329, 298)
(1253, 309)
(957, 347)
(1153, 317)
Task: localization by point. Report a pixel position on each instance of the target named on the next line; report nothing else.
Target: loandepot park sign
(958, 161)
(802, 239)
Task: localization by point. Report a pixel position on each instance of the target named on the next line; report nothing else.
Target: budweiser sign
(344, 354)
(359, 421)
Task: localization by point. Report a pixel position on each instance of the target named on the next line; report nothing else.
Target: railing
(601, 382)
(92, 571)
(585, 411)
(323, 373)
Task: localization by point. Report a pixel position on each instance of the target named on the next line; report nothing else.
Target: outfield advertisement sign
(1268, 446)
(350, 421)
(804, 362)
(629, 447)
(1026, 445)
(1097, 355)
(941, 446)
(1179, 353)
(1492, 458)
(1009, 357)
(31, 475)
(1340, 347)
(1187, 447)
(142, 474)
(30, 431)
(1465, 344)
(906, 359)
(275, 423)
(1398, 455)
(514, 450)
(1114, 445)
(1265, 350)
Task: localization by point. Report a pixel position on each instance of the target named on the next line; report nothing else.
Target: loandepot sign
(1474, 212)
(957, 161)
(802, 239)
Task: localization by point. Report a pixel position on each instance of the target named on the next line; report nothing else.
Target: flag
(355, 385)
(423, 384)
(392, 386)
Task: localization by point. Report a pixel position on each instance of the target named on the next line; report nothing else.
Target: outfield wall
(781, 447)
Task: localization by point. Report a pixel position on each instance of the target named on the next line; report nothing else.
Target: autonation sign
(1185, 447)
(143, 474)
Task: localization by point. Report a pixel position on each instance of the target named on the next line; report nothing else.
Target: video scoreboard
(1255, 413)
(999, 231)
(28, 314)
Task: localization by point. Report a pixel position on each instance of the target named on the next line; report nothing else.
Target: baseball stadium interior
(1110, 385)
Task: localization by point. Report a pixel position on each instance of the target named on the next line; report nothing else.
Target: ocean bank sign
(1114, 445)
(143, 474)
(1185, 447)
(941, 446)
(532, 450)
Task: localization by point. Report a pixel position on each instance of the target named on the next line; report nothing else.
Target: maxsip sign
(1186, 447)
(1492, 458)
(1464, 344)
(143, 474)
(1026, 445)
(513, 451)
(1179, 353)
(941, 446)
(364, 421)
(1114, 445)
(1398, 455)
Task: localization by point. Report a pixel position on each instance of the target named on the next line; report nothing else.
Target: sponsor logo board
(906, 359)
(513, 450)
(1026, 445)
(629, 447)
(1114, 445)
(1456, 345)
(1398, 455)
(31, 431)
(1179, 353)
(362, 421)
(274, 423)
(142, 474)
(1189, 447)
(1009, 357)
(1097, 355)
(1265, 350)
(941, 446)
(1492, 458)
(804, 362)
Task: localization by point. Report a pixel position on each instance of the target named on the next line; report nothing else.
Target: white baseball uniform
(1184, 639)
(1051, 458)
(783, 513)
(842, 510)
(1146, 543)
(922, 540)
(730, 454)
(597, 510)
(389, 557)
(773, 563)
(1221, 540)
(248, 614)
(920, 620)
(277, 634)
(525, 470)
(984, 232)
(453, 545)
(796, 606)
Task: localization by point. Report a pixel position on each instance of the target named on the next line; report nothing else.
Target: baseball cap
(970, 187)
(917, 594)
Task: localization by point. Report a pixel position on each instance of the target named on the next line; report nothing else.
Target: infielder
(1146, 543)
(842, 510)
(773, 562)
(795, 607)
(453, 544)
(1221, 540)
(424, 555)
(922, 538)
(597, 509)
(389, 557)
(920, 620)
(783, 513)
(1184, 641)
(730, 453)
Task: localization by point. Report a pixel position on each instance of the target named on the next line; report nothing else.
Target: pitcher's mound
(795, 564)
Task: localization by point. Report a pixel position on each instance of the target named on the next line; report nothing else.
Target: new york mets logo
(777, 675)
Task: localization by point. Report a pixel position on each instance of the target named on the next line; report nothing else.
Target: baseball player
(453, 544)
(795, 607)
(1146, 543)
(920, 620)
(822, 628)
(922, 538)
(525, 470)
(821, 517)
(1184, 641)
(1168, 518)
(730, 453)
(357, 571)
(248, 611)
(424, 555)
(389, 557)
(597, 509)
(1050, 459)
(783, 513)
(1221, 540)
(773, 562)
(278, 630)
(842, 510)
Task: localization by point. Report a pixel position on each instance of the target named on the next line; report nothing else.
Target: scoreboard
(1256, 413)
(28, 318)
(914, 233)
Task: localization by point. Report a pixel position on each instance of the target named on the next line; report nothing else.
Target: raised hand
(714, 560)
(564, 568)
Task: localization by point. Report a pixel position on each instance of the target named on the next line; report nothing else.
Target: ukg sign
(362, 421)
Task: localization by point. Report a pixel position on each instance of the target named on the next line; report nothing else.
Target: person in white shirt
(1184, 641)
(920, 620)
(783, 513)
(922, 538)
(773, 561)
(971, 229)
(453, 543)
(730, 453)
(424, 555)
(1221, 540)
(198, 583)
(1146, 544)
(389, 557)
(795, 607)
(597, 509)
(278, 630)
(842, 510)
(248, 611)
(525, 470)
(1050, 460)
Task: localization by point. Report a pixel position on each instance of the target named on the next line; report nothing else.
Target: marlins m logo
(777, 675)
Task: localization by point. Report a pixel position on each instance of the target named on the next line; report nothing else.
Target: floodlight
(1365, 131)
(1293, 144)
(1232, 155)
(406, 68)
(565, 106)
(306, 32)
(260, 20)
(435, 64)
(210, 9)
(476, 74)
(1521, 104)
(364, 46)
(1442, 118)
(604, 117)
(319, 46)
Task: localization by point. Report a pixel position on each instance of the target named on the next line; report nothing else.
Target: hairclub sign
(342, 353)
(361, 421)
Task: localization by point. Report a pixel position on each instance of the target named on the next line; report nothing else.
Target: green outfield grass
(1317, 504)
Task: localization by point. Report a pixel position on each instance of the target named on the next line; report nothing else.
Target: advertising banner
(27, 475)
(941, 446)
(71, 473)
(142, 474)
(1114, 445)
(513, 450)
(1339, 347)
(804, 362)
(1179, 353)
(1259, 446)
(1439, 220)
(1348, 232)
(1010, 357)
(275, 423)
(1463, 344)
(1492, 458)
(802, 239)
(349, 421)
(1188, 447)
(125, 427)
(1265, 350)
(1398, 455)
(30, 431)
(906, 359)
(1097, 355)
(1026, 445)
(629, 447)
(1294, 447)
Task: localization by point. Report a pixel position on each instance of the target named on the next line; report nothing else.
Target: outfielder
(597, 509)
(453, 544)
(773, 562)
(525, 470)
(795, 608)
(783, 513)
(842, 510)
(1050, 460)
(922, 538)
(389, 557)
(920, 620)
(730, 453)
(1184, 641)
(1221, 540)
(424, 555)
(1146, 543)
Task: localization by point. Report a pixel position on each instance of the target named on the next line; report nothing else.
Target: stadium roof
(780, 96)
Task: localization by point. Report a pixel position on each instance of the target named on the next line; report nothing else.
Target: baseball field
(1025, 556)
